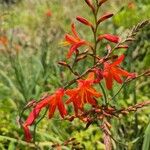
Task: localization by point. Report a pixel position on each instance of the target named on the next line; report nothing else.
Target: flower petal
(27, 133)
(109, 81)
(117, 78)
(52, 109)
(74, 48)
(70, 39)
(118, 61)
(32, 116)
(93, 92)
(75, 32)
(123, 72)
(62, 109)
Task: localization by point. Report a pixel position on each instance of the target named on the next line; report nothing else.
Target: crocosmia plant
(90, 87)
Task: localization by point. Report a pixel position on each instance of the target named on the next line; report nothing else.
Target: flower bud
(122, 46)
(63, 63)
(89, 3)
(105, 17)
(101, 2)
(84, 21)
(109, 37)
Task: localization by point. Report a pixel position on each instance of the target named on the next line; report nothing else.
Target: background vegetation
(28, 69)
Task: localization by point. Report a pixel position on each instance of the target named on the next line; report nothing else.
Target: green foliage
(146, 143)
(33, 70)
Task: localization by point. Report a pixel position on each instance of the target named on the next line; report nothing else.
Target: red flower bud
(109, 37)
(89, 3)
(84, 21)
(101, 2)
(104, 17)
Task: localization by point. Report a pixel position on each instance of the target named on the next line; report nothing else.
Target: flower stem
(95, 32)
(104, 93)
(35, 126)
(95, 48)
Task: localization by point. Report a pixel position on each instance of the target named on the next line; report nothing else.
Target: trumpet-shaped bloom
(113, 71)
(74, 41)
(84, 93)
(52, 102)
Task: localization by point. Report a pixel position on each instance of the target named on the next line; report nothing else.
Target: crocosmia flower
(84, 93)
(112, 71)
(75, 41)
(3, 40)
(53, 101)
(48, 13)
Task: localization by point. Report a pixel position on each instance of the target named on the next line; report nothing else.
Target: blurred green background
(28, 69)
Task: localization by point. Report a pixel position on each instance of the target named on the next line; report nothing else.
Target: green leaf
(11, 146)
(146, 143)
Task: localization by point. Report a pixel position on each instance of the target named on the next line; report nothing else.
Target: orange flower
(113, 71)
(48, 13)
(74, 41)
(52, 102)
(3, 40)
(83, 94)
(131, 5)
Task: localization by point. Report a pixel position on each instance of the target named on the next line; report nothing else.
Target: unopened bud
(101, 2)
(105, 17)
(122, 46)
(84, 21)
(89, 3)
(63, 63)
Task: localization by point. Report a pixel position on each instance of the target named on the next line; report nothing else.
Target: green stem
(136, 116)
(95, 48)
(95, 33)
(104, 93)
(122, 86)
(35, 126)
